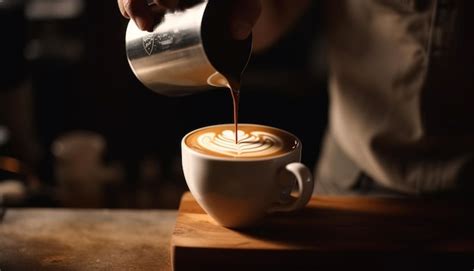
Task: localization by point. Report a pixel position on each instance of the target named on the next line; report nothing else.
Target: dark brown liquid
(234, 86)
(227, 55)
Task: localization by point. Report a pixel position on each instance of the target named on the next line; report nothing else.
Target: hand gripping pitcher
(189, 51)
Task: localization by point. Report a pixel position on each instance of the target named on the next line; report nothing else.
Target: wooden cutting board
(332, 233)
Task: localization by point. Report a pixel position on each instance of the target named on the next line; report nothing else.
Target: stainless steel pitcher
(189, 51)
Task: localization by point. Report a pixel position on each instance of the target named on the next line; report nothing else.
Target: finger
(140, 12)
(122, 9)
(244, 16)
(157, 10)
(158, 15)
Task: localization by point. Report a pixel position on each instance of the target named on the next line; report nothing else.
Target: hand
(243, 18)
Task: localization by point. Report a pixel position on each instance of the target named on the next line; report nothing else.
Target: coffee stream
(234, 86)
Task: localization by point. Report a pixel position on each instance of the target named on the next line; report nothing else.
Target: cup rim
(237, 159)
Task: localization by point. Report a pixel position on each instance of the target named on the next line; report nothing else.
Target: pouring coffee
(250, 170)
(189, 51)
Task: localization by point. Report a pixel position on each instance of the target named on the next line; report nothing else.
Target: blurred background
(77, 129)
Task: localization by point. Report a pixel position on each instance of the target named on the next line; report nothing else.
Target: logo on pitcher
(165, 40)
(149, 43)
(162, 40)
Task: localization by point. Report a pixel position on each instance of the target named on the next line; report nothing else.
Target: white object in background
(13, 190)
(79, 169)
(54, 9)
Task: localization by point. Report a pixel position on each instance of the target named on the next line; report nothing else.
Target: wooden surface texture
(332, 233)
(65, 239)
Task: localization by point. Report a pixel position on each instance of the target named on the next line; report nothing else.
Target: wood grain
(332, 232)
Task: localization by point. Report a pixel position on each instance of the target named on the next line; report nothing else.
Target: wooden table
(64, 239)
(333, 233)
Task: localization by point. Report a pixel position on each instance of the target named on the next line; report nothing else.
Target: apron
(401, 96)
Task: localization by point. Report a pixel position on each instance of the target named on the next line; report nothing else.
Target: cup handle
(305, 187)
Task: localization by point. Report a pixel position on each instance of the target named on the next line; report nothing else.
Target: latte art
(253, 144)
(255, 141)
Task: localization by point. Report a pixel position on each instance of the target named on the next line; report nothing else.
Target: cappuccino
(255, 141)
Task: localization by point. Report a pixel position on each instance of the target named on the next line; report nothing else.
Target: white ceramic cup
(239, 192)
